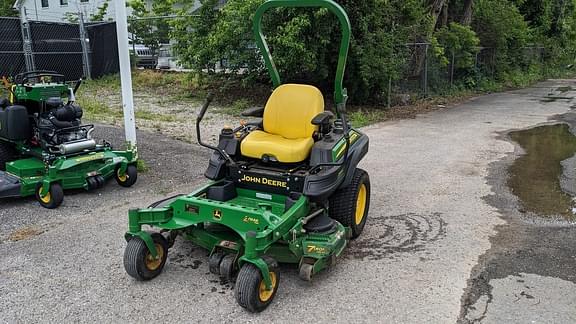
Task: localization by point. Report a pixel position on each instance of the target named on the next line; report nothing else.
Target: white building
(60, 10)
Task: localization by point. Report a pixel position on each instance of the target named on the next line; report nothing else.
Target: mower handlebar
(77, 86)
(205, 106)
(199, 137)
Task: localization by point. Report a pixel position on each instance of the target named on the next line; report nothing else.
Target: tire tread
(343, 202)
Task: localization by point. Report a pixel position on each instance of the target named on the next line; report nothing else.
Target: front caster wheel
(250, 289)
(129, 178)
(139, 262)
(53, 199)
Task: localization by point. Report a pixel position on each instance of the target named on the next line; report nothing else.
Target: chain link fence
(424, 73)
(74, 50)
(12, 59)
(90, 50)
(421, 73)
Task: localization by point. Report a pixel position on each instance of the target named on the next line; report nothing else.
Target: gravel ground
(167, 114)
(429, 227)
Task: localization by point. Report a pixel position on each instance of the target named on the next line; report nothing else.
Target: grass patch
(141, 166)
(237, 107)
(365, 117)
(93, 108)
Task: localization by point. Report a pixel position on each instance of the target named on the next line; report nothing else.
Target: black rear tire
(139, 263)
(248, 289)
(350, 205)
(7, 154)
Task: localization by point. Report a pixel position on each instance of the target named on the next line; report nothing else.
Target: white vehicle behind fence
(145, 57)
(166, 59)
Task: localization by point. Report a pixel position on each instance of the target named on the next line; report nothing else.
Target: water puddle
(535, 177)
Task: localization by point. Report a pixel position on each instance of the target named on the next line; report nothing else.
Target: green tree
(501, 27)
(460, 41)
(7, 10)
(148, 24)
(101, 12)
(305, 42)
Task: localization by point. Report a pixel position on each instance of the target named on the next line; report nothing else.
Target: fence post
(389, 99)
(452, 70)
(425, 81)
(85, 48)
(26, 41)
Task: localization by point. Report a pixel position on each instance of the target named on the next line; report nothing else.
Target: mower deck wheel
(250, 289)
(228, 267)
(305, 271)
(129, 178)
(350, 205)
(7, 154)
(139, 262)
(53, 199)
(214, 262)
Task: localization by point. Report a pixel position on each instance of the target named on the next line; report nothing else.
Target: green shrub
(460, 41)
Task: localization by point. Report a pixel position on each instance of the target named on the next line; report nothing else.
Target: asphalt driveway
(432, 252)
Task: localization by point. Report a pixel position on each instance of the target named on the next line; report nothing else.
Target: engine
(60, 130)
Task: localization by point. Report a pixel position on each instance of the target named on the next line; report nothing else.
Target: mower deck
(222, 216)
(9, 185)
(71, 172)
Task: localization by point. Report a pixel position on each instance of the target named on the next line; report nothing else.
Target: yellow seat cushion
(258, 144)
(287, 123)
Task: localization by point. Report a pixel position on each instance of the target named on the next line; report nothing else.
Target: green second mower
(284, 189)
(45, 148)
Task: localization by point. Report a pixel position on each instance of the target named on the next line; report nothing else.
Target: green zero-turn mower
(45, 148)
(283, 189)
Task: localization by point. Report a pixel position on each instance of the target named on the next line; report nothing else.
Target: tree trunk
(468, 9)
(436, 10)
(444, 20)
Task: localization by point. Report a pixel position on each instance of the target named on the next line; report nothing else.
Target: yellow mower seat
(288, 128)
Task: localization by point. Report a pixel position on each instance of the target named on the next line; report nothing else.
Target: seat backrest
(290, 110)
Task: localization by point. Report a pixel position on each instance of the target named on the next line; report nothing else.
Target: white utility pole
(125, 75)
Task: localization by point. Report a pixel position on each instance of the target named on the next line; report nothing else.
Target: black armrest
(253, 112)
(4, 103)
(257, 122)
(322, 118)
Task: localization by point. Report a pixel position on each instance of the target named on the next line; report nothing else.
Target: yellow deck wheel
(153, 263)
(45, 199)
(265, 294)
(52, 199)
(250, 290)
(121, 178)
